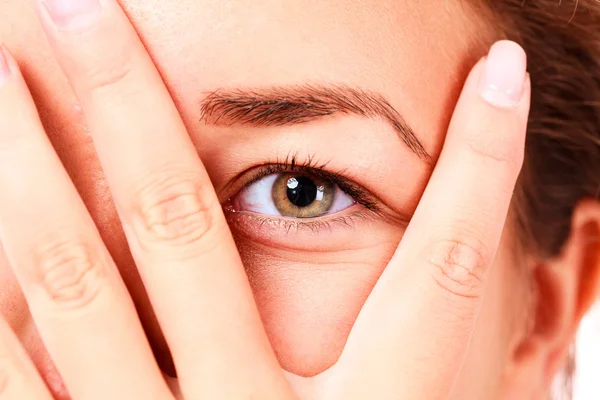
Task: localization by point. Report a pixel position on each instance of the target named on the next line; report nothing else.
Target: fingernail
(4, 68)
(504, 74)
(72, 14)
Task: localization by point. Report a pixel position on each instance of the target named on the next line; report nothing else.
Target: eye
(295, 195)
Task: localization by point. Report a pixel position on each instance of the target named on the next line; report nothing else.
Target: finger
(18, 377)
(421, 314)
(79, 303)
(171, 216)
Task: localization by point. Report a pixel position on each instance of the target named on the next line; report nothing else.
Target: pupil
(301, 191)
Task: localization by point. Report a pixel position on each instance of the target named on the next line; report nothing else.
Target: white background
(587, 377)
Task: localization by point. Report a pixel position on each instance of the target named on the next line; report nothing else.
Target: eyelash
(311, 167)
(320, 170)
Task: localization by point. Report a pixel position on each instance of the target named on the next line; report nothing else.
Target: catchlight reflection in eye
(293, 195)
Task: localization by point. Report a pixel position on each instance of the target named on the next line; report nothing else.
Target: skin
(307, 307)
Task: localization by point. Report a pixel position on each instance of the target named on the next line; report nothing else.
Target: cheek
(309, 302)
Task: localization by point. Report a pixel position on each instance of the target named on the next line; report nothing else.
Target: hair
(562, 162)
(562, 152)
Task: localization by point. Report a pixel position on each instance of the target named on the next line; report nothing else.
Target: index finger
(174, 223)
(415, 328)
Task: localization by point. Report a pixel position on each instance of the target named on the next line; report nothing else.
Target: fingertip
(503, 78)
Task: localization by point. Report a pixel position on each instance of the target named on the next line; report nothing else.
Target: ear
(564, 287)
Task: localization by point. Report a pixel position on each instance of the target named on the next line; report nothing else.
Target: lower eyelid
(335, 232)
(346, 218)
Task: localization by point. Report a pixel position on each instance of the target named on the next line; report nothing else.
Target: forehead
(414, 53)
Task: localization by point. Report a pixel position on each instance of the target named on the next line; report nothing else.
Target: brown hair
(562, 161)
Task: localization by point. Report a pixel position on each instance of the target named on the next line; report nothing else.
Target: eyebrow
(284, 106)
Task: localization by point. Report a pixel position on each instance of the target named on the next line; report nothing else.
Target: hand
(188, 260)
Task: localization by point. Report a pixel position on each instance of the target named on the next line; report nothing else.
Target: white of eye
(257, 197)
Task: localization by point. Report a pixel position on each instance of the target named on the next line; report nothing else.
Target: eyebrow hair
(283, 106)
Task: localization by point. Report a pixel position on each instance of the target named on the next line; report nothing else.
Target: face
(317, 202)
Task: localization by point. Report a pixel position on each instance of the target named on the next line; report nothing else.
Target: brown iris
(302, 196)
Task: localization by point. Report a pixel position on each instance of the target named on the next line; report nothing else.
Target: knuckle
(67, 271)
(102, 77)
(496, 148)
(174, 210)
(459, 267)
